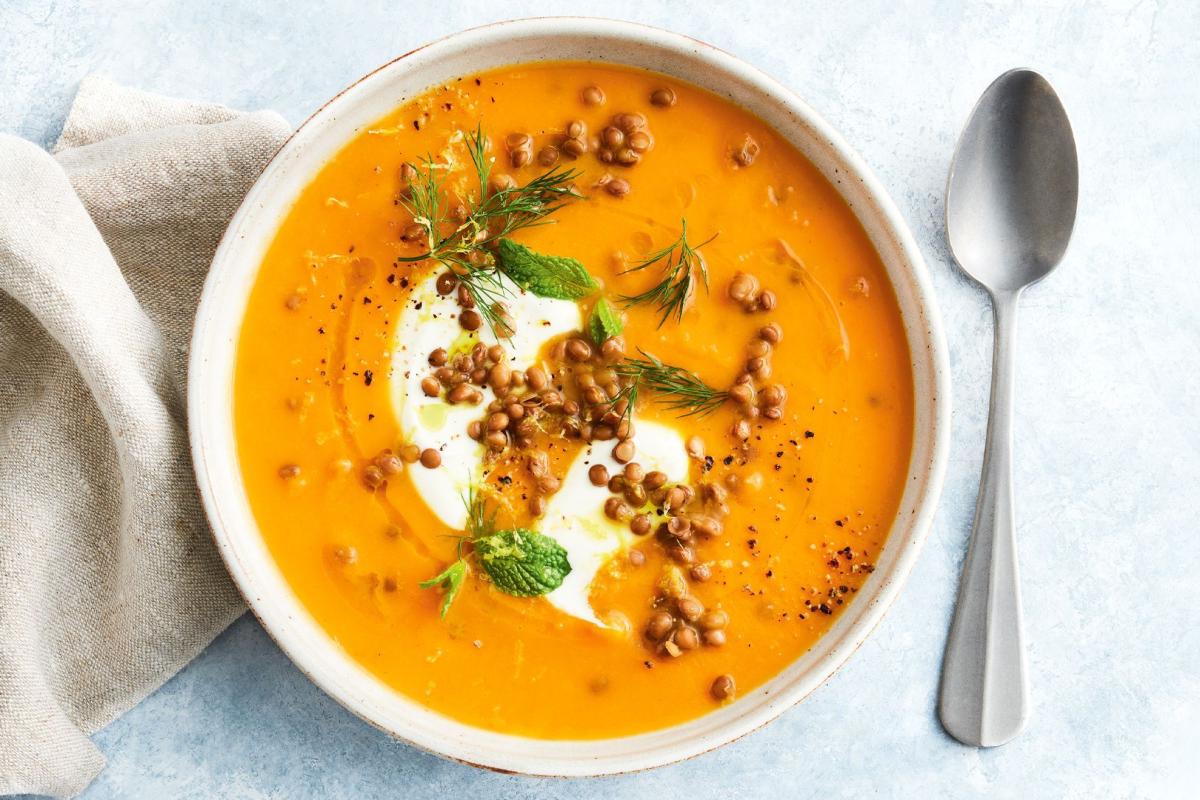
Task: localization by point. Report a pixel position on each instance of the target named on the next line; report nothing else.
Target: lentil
(593, 96)
(722, 687)
(663, 98)
(598, 475)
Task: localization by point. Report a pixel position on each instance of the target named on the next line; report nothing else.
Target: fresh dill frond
(494, 213)
(679, 389)
(480, 521)
(680, 262)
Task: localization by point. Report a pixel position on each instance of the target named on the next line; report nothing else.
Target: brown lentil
(663, 97)
(681, 553)
(623, 452)
(701, 572)
(686, 638)
(501, 182)
(714, 638)
(446, 283)
(745, 155)
(593, 96)
(535, 376)
(771, 333)
(640, 524)
(635, 493)
(722, 687)
(640, 142)
(742, 394)
(617, 187)
(574, 147)
(470, 319)
(430, 458)
(630, 121)
(372, 476)
(690, 608)
(578, 350)
(654, 480)
(289, 471)
(389, 462)
(598, 475)
(615, 508)
(659, 625)
(613, 349)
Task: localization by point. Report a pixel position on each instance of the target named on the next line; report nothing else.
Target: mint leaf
(604, 322)
(558, 277)
(522, 562)
(451, 579)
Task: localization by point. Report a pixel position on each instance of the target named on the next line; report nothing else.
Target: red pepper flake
(368, 377)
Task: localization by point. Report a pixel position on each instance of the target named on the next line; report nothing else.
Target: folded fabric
(109, 580)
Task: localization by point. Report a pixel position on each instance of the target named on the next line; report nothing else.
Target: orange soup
(572, 401)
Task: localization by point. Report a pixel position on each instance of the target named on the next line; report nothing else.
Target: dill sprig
(677, 388)
(466, 248)
(680, 263)
(480, 522)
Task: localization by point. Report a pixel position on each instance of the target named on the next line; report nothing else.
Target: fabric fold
(109, 579)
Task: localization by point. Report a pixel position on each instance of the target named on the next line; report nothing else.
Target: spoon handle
(985, 684)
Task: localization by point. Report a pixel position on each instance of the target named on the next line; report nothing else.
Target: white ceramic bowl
(210, 407)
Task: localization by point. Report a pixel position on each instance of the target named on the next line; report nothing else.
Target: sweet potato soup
(572, 401)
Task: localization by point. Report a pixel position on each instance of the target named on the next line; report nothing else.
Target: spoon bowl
(1010, 205)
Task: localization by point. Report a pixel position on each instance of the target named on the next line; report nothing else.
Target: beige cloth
(109, 580)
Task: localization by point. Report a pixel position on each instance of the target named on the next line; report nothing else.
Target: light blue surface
(1107, 435)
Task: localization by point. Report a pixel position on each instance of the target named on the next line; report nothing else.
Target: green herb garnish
(520, 562)
(604, 322)
(558, 277)
(467, 247)
(680, 263)
(677, 388)
(450, 580)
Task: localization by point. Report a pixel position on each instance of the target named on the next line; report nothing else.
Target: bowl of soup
(567, 398)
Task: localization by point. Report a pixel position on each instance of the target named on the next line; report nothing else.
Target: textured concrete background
(1107, 436)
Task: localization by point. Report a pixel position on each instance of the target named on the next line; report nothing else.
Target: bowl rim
(467, 744)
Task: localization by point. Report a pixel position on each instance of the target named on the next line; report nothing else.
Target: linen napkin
(109, 579)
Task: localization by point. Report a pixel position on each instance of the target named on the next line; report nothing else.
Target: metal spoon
(1010, 208)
